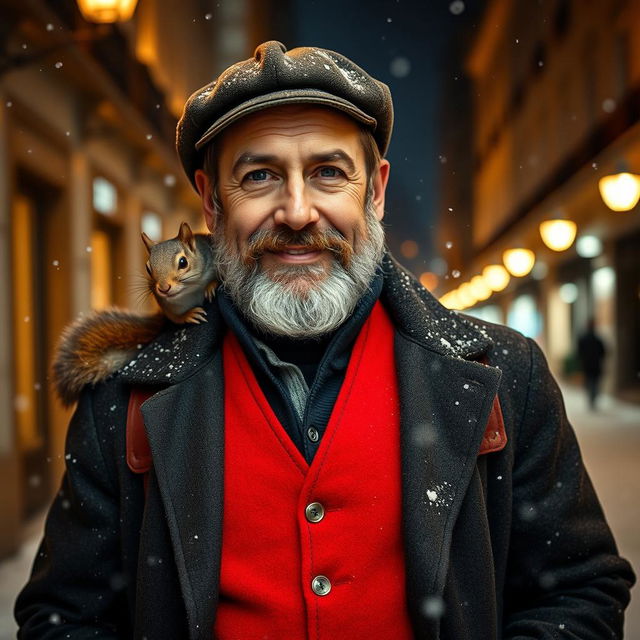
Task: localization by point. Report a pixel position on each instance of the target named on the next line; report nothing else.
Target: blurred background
(513, 194)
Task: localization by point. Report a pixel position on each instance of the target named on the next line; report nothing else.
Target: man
(334, 454)
(591, 354)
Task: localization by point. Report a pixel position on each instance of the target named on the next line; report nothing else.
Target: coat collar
(180, 351)
(420, 317)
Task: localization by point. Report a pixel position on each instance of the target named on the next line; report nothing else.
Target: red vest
(273, 546)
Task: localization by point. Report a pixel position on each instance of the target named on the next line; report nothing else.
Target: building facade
(555, 91)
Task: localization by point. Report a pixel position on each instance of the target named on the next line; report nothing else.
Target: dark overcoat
(517, 548)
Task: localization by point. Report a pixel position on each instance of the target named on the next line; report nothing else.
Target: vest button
(312, 434)
(321, 585)
(314, 512)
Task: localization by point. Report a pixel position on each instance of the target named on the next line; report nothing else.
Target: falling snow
(433, 607)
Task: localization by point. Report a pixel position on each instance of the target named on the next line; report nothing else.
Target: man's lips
(297, 253)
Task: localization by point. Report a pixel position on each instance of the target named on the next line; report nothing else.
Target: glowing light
(519, 262)
(105, 11)
(568, 292)
(496, 276)
(451, 300)
(429, 280)
(465, 295)
(558, 234)
(409, 248)
(481, 290)
(620, 191)
(588, 246)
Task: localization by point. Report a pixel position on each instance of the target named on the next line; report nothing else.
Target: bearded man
(333, 454)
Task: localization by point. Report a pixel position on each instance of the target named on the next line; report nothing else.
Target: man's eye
(259, 175)
(329, 172)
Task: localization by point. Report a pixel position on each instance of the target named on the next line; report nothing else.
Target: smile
(297, 254)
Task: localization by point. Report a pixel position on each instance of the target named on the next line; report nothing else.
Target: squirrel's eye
(182, 263)
(148, 268)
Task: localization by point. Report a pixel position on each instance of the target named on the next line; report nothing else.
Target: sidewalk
(610, 443)
(13, 574)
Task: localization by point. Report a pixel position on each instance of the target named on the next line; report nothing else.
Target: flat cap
(274, 77)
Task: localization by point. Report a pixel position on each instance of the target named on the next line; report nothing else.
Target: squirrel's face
(290, 169)
(171, 268)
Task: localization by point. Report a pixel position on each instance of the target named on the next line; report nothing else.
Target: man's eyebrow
(253, 158)
(333, 156)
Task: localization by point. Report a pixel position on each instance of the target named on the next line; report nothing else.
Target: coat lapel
(184, 424)
(444, 407)
(446, 399)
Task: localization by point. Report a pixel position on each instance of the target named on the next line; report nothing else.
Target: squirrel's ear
(185, 235)
(148, 242)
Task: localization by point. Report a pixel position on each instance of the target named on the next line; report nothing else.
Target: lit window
(151, 224)
(524, 316)
(105, 196)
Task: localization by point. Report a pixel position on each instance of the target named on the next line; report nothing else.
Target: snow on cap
(274, 77)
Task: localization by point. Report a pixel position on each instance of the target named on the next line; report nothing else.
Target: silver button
(321, 585)
(313, 434)
(314, 512)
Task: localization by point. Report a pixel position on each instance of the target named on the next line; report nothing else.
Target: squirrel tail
(96, 345)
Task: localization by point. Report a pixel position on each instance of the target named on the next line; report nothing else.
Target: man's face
(292, 187)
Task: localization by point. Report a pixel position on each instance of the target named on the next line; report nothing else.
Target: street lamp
(496, 276)
(104, 11)
(620, 191)
(558, 234)
(465, 295)
(481, 290)
(519, 262)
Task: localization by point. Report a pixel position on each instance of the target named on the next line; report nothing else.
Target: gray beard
(301, 301)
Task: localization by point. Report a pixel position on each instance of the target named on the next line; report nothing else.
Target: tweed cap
(274, 77)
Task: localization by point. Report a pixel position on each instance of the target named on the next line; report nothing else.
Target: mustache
(314, 240)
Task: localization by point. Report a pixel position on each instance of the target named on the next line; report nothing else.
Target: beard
(300, 301)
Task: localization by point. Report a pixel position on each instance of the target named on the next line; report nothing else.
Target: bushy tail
(98, 344)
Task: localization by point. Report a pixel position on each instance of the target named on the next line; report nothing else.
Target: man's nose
(296, 209)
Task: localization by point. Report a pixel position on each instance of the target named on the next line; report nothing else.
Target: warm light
(558, 234)
(107, 10)
(465, 295)
(518, 261)
(496, 277)
(588, 246)
(429, 280)
(451, 301)
(480, 288)
(409, 248)
(621, 191)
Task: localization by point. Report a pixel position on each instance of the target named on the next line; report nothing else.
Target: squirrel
(181, 272)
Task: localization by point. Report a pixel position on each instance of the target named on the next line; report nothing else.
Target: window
(105, 196)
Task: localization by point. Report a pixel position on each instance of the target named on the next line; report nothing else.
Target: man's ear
(205, 189)
(380, 179)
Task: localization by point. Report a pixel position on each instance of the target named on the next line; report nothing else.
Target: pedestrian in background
(591, 354)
